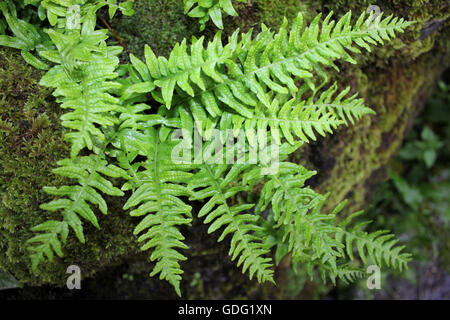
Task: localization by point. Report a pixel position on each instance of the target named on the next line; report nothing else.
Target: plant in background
(416, 194)
(424, 149)
(270, 89)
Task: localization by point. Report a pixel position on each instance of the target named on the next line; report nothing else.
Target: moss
(31, 142)
(394, 80)
(158, 23)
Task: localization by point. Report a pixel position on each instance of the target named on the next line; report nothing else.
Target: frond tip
(157, 186)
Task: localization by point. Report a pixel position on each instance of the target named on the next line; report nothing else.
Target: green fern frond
(157, 185)
(379, 245)
(73, 203)
(49, 241)
(247, 72)
(341, 242)
(314, 238)
(27, 37)
(215, 184)
(58, 11)
(283, 190)
(345, 272)
(205, 10)
(85, 91)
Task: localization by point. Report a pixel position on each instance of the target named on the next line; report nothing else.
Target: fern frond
(215, 184)
(320, 113)
(85, 91)
(283, 190)
(49, 241)
(262, 83)
(345, 272)
(236, 76)
(205, 10)
(379, 245)
(315, 238)
(27, 37)
(157, 185)
(73, 203)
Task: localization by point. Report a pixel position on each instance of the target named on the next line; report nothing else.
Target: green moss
(31, 142)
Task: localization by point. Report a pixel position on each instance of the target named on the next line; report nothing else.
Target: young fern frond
(209, 9)
(73, 203)
(214, 183)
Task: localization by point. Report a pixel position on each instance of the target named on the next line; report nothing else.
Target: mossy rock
(31, 143)
(394, 80)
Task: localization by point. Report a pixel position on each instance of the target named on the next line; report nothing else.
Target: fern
(378, 245)
(316, 239)
(90, 172)
(81, 78)
(298, 117)
(57, 10)
(254, 85)
(246, 76)
(205, 10)
(214, 182)
(86, 93)
(27, 37)
(157, 186)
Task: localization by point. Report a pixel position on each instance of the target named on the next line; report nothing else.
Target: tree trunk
(395, 81)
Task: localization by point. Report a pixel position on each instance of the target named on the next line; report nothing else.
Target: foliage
(205, 10)
(252, 85)
(26, 36)
(417, 191)
(413, 203)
